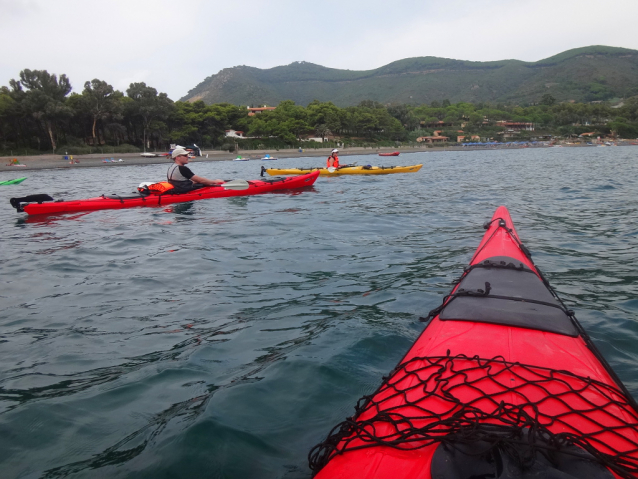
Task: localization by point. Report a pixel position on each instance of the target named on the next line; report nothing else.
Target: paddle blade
(17, 202)
(332, 169)
(236, 185)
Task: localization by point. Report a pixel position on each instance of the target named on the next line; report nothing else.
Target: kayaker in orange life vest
(333, 160)
(181, 177)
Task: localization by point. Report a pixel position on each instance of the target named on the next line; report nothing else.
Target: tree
(371, 104)
(292, 120)
(117, 132)
(365, 121)
(148, 105)
(622, 128)
(9, 116)
(101, 101)
(186, 122)
(325, 115)
(548, 100)
(223, 116)
(259, 128)
(322, 130)
(44, 97)
(404, 114)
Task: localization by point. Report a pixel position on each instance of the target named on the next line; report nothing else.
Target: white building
(234, 134)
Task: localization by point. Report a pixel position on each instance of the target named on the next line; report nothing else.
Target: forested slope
(583, 75)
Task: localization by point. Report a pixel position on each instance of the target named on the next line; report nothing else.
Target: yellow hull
(347, 170)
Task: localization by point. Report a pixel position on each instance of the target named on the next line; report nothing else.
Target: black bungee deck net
(492, 410)
(517, 408)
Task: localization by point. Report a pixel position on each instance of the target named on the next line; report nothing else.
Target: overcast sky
(173, 45)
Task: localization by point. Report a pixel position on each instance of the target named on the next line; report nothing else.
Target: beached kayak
(44, 204)
(13, 182)
(502, 383)
(345, 170)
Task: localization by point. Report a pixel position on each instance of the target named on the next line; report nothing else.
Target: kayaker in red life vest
(333, 159)
(181, 177)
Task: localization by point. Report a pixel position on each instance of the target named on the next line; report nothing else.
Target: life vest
(335, 162)
(175, 178)
(156, 188)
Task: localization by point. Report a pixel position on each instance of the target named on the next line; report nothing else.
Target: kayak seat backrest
(501, 290)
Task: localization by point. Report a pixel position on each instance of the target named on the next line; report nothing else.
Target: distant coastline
(43, 162)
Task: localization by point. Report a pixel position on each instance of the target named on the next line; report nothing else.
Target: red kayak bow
(503, 383)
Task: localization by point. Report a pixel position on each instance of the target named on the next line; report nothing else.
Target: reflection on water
(239, 200)
(181, 209)
(177, 341)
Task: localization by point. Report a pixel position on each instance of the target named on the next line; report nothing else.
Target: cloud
(494, 30)
(15, 9)
(173, 45)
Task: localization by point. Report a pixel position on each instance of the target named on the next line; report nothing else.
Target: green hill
(582, 74)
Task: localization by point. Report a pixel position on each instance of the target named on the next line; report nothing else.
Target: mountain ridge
(582, 74)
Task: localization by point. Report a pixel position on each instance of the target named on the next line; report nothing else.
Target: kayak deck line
(502, 380)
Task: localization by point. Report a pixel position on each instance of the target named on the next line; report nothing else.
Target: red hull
(256, 187)
(410, 408)
(395, 153)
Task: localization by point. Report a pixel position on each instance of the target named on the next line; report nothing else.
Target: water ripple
(176, 341)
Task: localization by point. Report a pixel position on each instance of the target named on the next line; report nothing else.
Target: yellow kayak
(345, 170)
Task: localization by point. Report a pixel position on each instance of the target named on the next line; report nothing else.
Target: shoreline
(51, 161)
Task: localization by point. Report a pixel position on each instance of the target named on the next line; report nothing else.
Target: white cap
(178, 151)
(335, 151)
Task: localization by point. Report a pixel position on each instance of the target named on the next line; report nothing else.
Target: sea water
(224, 338)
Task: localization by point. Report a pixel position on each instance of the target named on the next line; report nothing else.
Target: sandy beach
(51, 161)
(94, 160)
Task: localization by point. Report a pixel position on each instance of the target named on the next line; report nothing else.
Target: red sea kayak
(394, 153)
(502, 383)
(44, 204)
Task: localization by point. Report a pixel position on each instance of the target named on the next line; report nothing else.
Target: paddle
(332, 169)
(229, 184)
(236, 185)
(16, 202)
